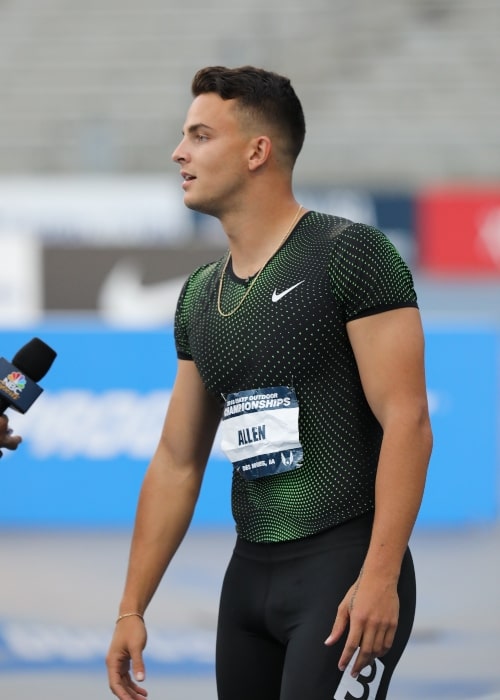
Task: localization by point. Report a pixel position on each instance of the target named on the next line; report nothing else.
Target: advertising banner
(459, 231)
(89, 437)
(463, 382)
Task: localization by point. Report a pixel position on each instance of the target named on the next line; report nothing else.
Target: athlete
(7, 438)
(304, 342)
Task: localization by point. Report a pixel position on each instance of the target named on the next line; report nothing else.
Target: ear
(261, 147)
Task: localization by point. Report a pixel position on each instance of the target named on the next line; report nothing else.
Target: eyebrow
(195, 127)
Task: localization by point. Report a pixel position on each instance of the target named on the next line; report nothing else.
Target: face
(213, 155)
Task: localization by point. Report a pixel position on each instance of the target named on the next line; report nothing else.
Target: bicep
(389, 351)
(191, 420)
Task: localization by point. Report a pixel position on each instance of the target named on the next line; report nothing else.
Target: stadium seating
(395, 92)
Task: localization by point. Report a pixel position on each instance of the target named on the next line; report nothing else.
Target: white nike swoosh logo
(277, 297)
(124, 300)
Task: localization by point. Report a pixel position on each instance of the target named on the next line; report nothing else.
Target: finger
(350, 648)
(377, 640)
(137, 691)
(387, 641)
(120, 688)
(339, 626)
(364, 658)
(13, 442)
(124, 687)
(119, 679)
(138, 668)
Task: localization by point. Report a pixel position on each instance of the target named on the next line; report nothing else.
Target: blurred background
(402, 105)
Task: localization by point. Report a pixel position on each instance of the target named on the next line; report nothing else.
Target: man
(306, 340)
(7, 439)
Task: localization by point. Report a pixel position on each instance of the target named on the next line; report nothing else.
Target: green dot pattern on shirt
(343, 271)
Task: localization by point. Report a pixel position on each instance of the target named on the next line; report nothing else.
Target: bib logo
(14, 383)
(364, 687)
(287, 461)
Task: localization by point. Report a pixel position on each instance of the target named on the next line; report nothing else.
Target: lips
(186, 179)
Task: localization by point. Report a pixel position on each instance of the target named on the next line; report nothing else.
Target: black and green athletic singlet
(291, 331)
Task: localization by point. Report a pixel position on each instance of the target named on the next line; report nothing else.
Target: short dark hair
(263, 94)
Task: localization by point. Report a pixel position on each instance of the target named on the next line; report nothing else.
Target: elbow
(424, 432)
(428, 438)
(426, 426)
(413, 425)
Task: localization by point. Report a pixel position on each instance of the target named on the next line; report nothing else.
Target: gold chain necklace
(226, 314)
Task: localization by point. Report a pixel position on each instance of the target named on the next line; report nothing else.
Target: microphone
(18, 379)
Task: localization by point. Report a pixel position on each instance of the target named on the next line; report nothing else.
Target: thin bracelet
(120, 617)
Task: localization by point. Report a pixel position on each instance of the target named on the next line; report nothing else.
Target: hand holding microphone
(18, 384)
(7, 439)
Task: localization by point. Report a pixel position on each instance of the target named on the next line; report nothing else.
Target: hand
(127, 645)
(371, 610)
(7, 439)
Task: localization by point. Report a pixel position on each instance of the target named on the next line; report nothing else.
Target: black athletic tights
(278, 605)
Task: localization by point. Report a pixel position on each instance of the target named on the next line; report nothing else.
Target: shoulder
(205, 272)
(324, 226)
(346, 232)
(345, 237)
(197, 286)
(341, 231)
(201, 277)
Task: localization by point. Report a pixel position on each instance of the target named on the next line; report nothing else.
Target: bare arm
(389, 350)
(166, 503)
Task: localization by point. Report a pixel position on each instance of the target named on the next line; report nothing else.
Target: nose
(178, 156)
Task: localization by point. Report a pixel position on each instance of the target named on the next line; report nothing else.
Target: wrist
(123, 615)
(385, 575)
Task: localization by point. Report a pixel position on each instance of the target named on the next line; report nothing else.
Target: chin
(201, 207)
(194, 206)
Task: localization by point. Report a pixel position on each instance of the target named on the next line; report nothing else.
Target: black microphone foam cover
(34, 359)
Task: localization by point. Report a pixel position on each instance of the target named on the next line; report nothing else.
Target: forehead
(212, 111)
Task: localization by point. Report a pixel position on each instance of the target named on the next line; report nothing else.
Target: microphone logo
(16, 388)
(14, 382)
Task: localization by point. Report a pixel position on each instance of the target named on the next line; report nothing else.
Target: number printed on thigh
(364, 687)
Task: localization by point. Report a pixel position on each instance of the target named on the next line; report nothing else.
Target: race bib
(365, 686)
(260, 431)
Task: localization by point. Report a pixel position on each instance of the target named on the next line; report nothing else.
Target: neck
(259, 236)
